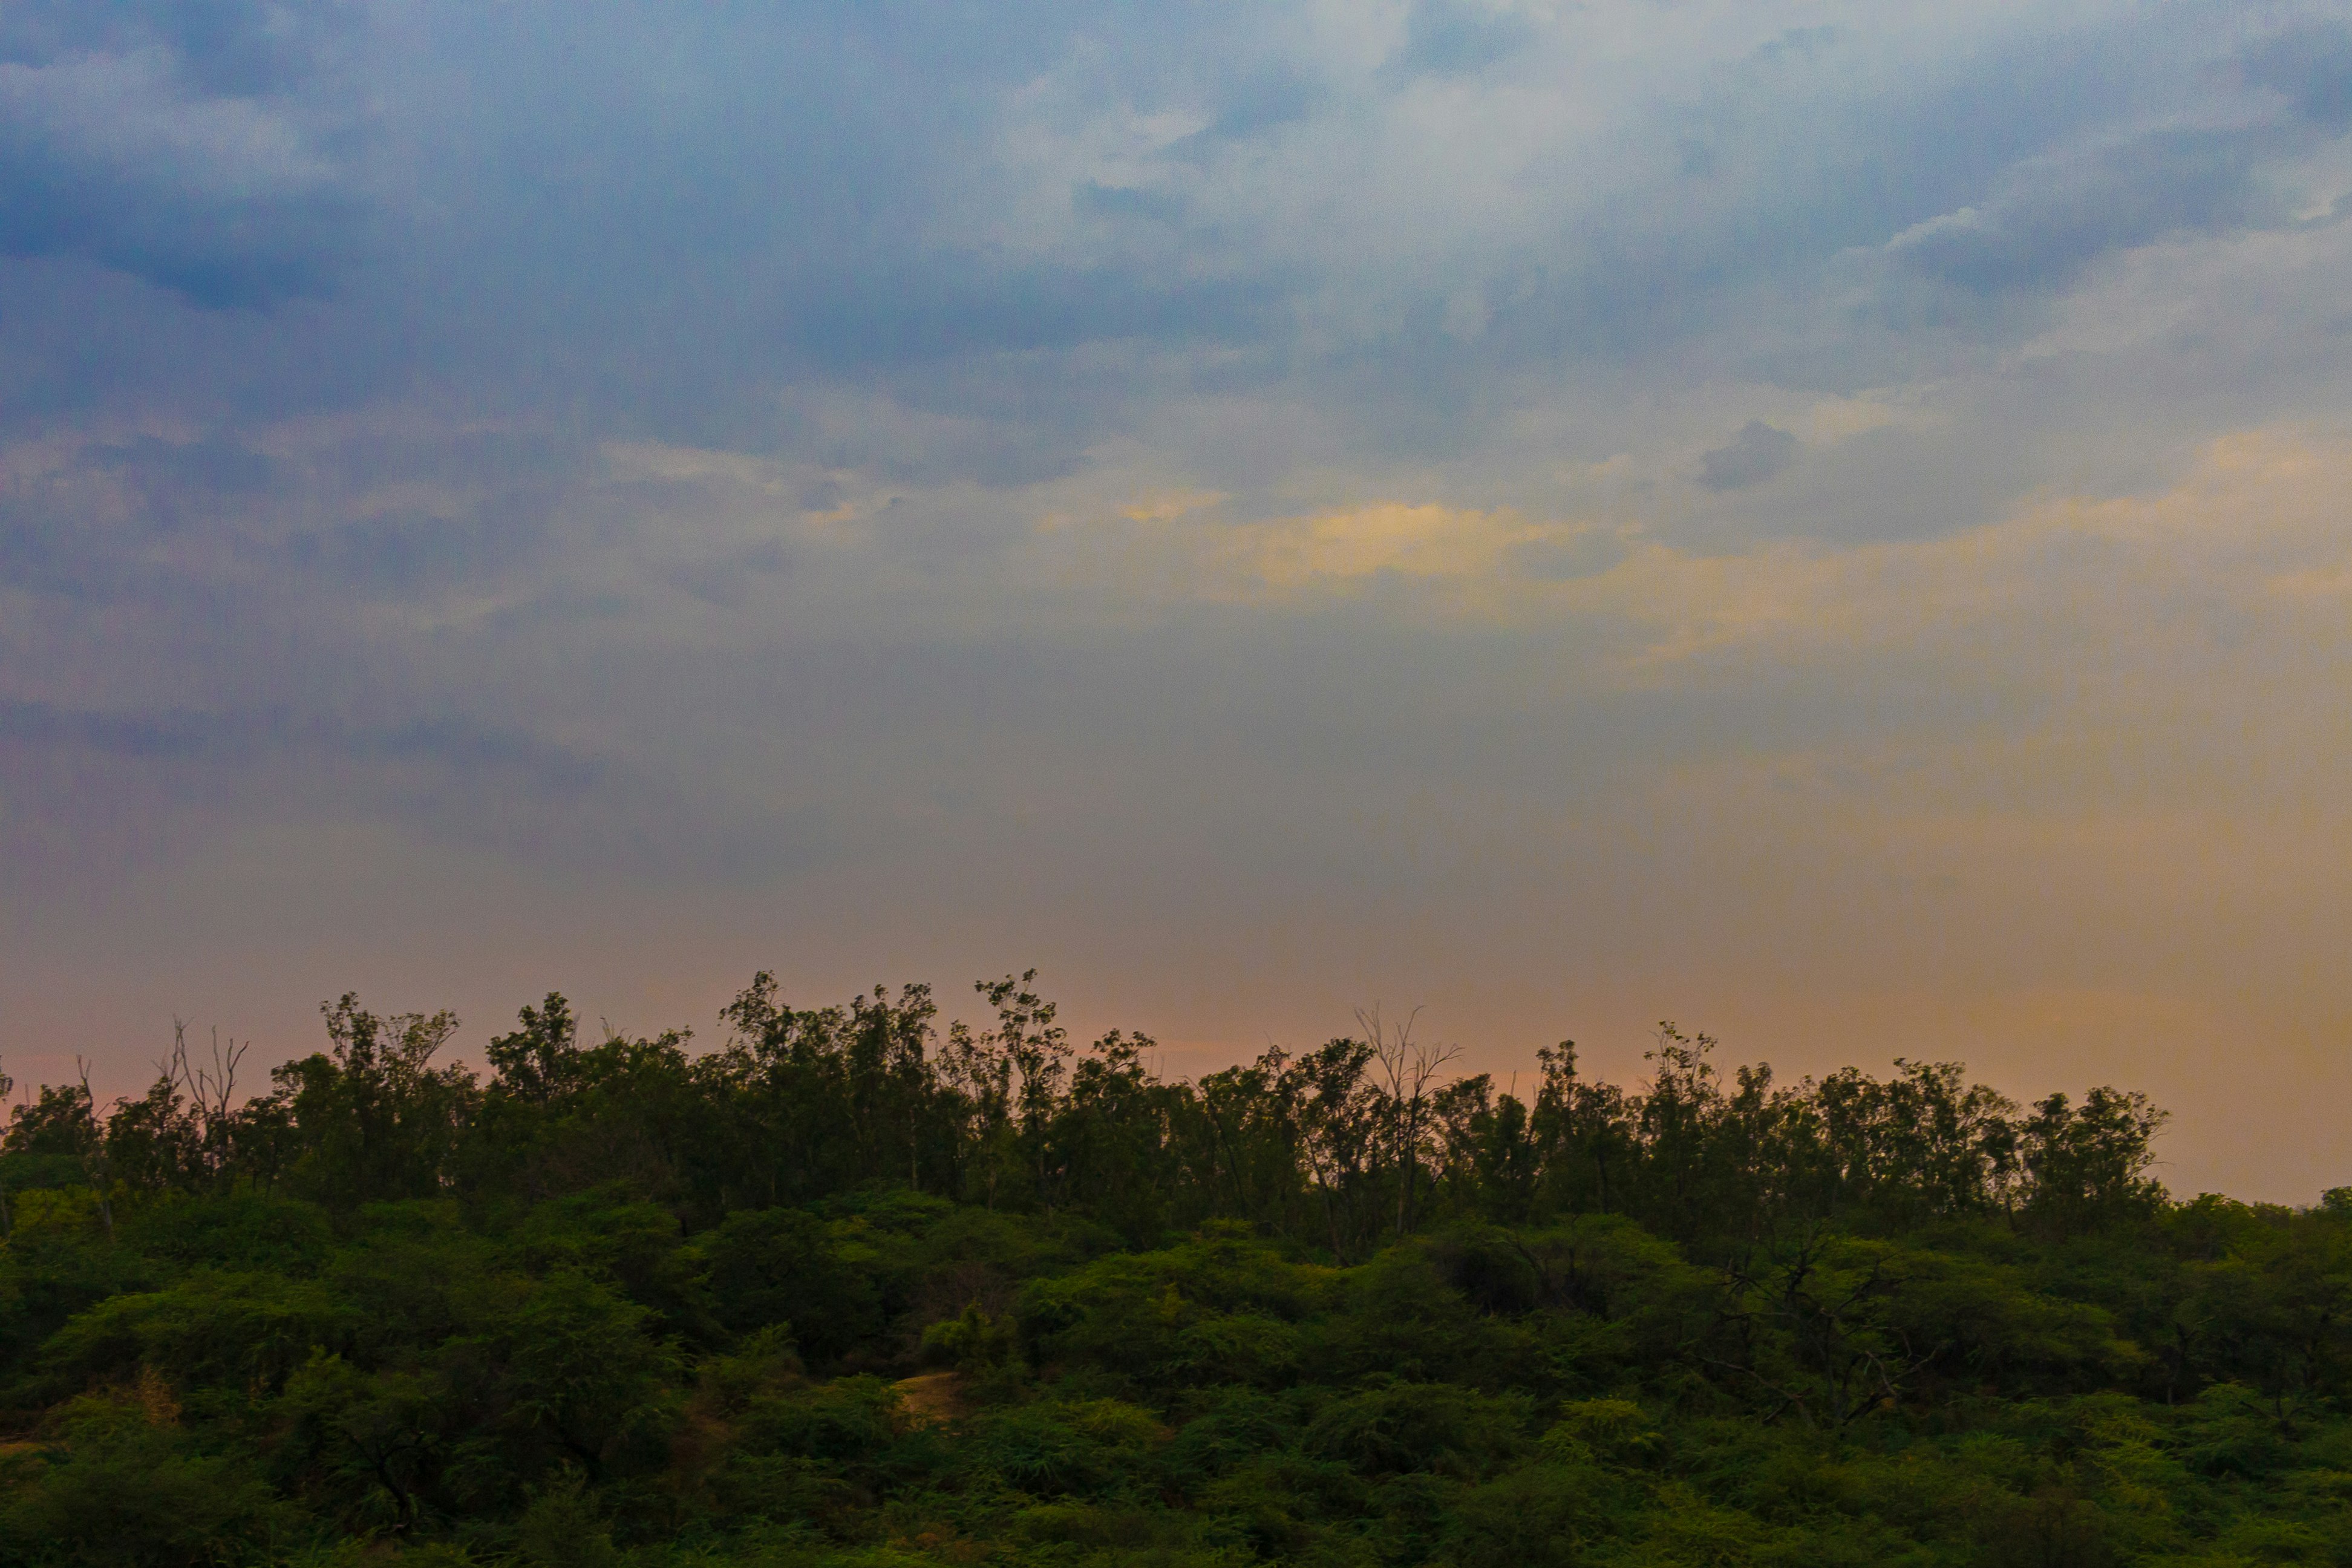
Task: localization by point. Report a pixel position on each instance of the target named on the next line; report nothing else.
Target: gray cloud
(943, 311)
(1758, 453)
(1263, 100)
(223, 48)
(752, 230)
(1560, 561)
(175, 143)
(723, 449)
(1458, 37)
(2052, 216)
(251, 736)
(2311, 64)
(401, 554)
(1125, 202)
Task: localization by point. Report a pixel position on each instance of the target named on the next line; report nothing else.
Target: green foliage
(766, 1267)
(1052, 1449)
(1613, 1431)
(1218, 1309)
(562, 1528)
(849, 1290)
(247, 1331)
(122, 1483)
(246, 1229)
(974, 1342)
(1392, 1428)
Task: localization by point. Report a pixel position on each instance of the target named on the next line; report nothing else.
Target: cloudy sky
(1826, 522)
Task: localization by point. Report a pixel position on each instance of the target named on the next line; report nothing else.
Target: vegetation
(852, 1288)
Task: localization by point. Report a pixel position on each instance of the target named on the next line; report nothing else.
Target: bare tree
(7, 1219)
(210, 1092)
(1410, 1066)
(95, 1165)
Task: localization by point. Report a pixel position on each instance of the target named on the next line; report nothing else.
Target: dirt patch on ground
(934, 1399)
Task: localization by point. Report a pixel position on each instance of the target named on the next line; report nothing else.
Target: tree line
(861, 1289)
(1343, 1147)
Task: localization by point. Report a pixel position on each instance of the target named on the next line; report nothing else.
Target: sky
(1824, 522)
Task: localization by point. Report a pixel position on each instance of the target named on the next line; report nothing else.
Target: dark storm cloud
(229, 48)
(547, 206)
(175, 143)
(2049, 218)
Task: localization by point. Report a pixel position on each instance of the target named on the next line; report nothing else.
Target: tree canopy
(858, 1286)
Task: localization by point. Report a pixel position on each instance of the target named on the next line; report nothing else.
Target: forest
(857, 1285)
